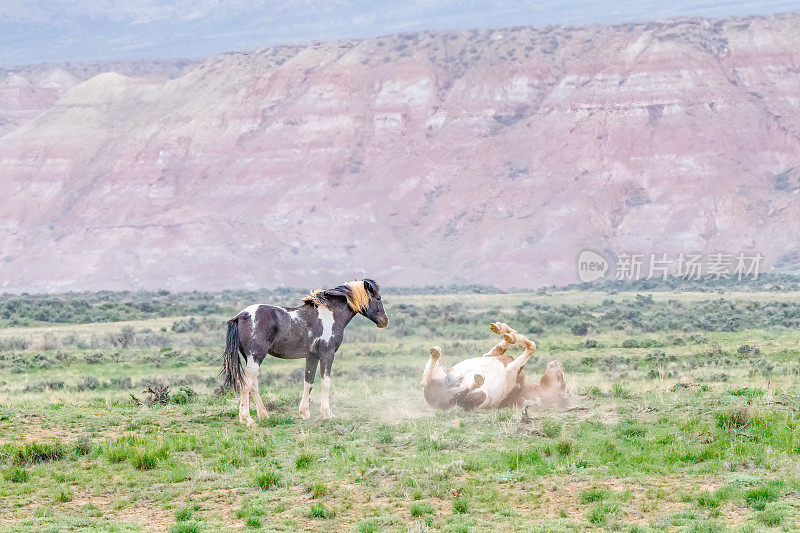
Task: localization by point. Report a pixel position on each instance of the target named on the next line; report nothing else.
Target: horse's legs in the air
(500, 348)
(308, 381)
(326, 362)
(517, 364)
(435, 367)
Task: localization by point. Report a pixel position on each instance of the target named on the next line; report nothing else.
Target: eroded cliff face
(489, 156)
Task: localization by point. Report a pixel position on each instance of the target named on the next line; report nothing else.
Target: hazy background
(433, 143)
(80, 30)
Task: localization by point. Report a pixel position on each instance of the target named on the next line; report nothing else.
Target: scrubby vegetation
(686, 416)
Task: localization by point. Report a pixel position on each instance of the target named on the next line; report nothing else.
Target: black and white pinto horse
(313, 331)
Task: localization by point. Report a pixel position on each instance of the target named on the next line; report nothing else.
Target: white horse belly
(493, 372)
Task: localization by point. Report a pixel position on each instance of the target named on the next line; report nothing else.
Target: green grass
(594, 495)
(186, 527)
(268, 480)
(16, 475)
(319, 510)
(419, 509)
(601, 514)
(304, 461)
(36, 452)
(758, 498)
(63, 496)
(685, 428)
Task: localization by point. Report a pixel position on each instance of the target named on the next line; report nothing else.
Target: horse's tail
(232, 370)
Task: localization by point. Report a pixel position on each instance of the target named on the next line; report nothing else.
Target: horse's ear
(341, 290)
(371, 286)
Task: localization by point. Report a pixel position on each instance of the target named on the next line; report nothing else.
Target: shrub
(182, 515)
(88, 383)
(580, 329)
(630, 343)
(121, 383)
(460, 506)
(158, 393)
(590, 343)
(183, 395)
(747, 350)
(94, 358)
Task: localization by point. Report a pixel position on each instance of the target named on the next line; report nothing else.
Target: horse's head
(363, 297)
(374, 310)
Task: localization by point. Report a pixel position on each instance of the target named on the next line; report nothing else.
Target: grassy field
(685, 416)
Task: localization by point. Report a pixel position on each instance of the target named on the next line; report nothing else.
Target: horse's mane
(313, 298)
(357, 296)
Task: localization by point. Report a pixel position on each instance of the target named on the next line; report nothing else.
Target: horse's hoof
(510, 339)
(436, 353)
(249, 422)
(328, 415)
(501, 328)
(262, 415)
(305, 414)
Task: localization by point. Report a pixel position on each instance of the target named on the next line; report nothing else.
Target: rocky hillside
(486, 156)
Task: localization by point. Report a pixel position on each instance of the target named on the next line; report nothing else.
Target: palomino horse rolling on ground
(313, 331)
(479, 382)
(445, 388)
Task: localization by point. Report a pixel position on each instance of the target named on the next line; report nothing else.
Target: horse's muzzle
(383, 323)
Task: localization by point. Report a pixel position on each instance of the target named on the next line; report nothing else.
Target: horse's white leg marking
(252, 375)
(250, 371)
(326, 317)
(324, 399)
(304, 413)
